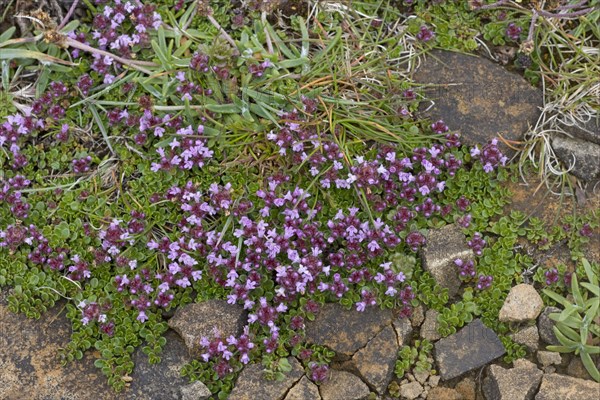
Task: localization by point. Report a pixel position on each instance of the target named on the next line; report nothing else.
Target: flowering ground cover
(270, 154)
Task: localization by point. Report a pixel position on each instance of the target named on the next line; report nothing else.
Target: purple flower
(513, 31)
(551, 276)
(477, 243)
(425, 34)
(485, 281)
(319, 373)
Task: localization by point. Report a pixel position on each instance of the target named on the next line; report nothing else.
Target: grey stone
(523, 303)
(252, 384)
(580, 157)
(193, 321)
(545, 326)
(562, 387)
(304, 390)
(577, 370)
(478, 97)
(411, 390)
(472, 347)
(429, 329)
(346, 331)
(344, 385)
(195, 391)
(445, 245)
(547, 358)
(162, 380)
(376, 361)
(404, 331)
(528, 337)
(517, 383)
(588, 131)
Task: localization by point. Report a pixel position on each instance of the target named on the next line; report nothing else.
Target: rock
(193, 321)
(545, 326)
(164, 379)
(434, 380)
(444, 393)
(555, 386)
(588, 131)
(477, 96)
(443, 247)
(346, 331)
(528, 337)
(30, 368)
(376, 361)
(466, 388)
(547, 358)
(304, 390)
(252, 385)
(404, 331)
(418, 316)
(577, 369)
(549, 370)
(579, 156)
(517, 383)
(195, 391)
(429, 329)
(411, 390)
(472, 347)
(523, 303)
(344, 385)
(421, 376)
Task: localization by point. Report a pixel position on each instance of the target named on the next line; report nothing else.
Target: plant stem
(69, 13)
(220, 28)
(132, 63)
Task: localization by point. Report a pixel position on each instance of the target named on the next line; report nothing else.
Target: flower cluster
(477, 243)
(226, 351)
(186, 151)
(466, 268)
(425, 34)
(490, 155)
(513, 31)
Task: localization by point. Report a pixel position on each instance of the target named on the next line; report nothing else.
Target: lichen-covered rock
(304, 390)
(376, 361)
(562, 387)
(517, 383)
(195, 391)
(523, 303)
(444, 393)
(472, 347)
(193, 321)
(547, 358)
(443, 246)
(404, 331)
(411, 390)
(346, 331)
(528, 337)
(429, 329)
(478, 97)
(344, 385)
(252, 384)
